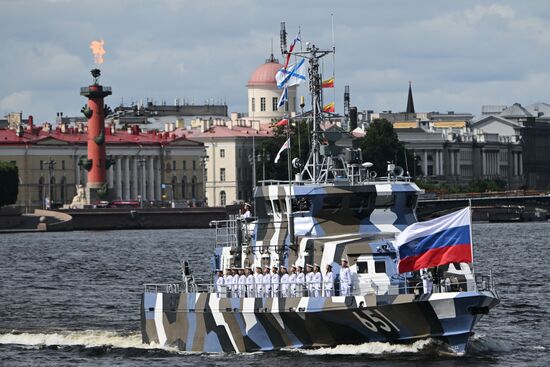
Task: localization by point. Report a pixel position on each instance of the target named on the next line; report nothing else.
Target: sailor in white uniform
(235, 281)
(275, 282)
(292, 281)
(300, 282)
(309, 280)
(427, 280)
(250, 291)
(267, 282)
(345, 279)
(242, 284)
(220, 288)
(228, 281)
(284, 282)
(259, 282)
(328, 282)
(317, 280)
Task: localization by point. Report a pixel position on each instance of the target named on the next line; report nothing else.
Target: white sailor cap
(309, 266)
(315, 265)
(293, 266)
(282, 267)
(342, 259)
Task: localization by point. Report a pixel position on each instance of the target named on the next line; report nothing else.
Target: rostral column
(97, 164)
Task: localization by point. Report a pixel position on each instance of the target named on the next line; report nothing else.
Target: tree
(299, 144)
(9, 183)
(381, 145)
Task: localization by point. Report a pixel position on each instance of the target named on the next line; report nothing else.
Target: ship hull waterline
(204, 322)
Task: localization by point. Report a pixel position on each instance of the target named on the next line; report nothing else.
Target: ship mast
(312, 167)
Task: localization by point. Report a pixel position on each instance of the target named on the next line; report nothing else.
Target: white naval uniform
(328, 284)
(300, 284)
(292, 282)
(259, 279)
(250, 292)
(267, 285)
(309, 284)
(220, 286)
(235, 287)
(345, 281)
(317, 280)
(242, 286)
(427, 281)
(275, 285)
(228, 281)
(284, 285)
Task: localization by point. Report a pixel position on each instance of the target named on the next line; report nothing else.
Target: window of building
(174, 188)
(222, 153)
(41, 189)
(184, 165)
(173, 165)
(253, 104)
(194, 165)
(275, 102)
(194, 187)
(63, 164)
(222, 174)
(62, 188)
(41, 164)
(223, 198)
(262, 104)
(183, 187)
(380, 266)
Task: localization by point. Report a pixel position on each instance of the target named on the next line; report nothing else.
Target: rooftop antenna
(283, 39)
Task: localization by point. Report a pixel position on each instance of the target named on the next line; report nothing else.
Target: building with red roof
(51, 163)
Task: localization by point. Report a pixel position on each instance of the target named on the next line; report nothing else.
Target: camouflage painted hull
(203, 322)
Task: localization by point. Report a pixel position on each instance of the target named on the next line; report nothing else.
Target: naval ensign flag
(436, 242)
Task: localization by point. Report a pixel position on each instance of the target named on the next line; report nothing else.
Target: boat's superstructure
(334, 208)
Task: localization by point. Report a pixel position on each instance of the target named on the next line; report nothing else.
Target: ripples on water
(73, 298)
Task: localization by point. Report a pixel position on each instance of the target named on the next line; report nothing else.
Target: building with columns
(461, 156)
(144, 163)
(231, 148)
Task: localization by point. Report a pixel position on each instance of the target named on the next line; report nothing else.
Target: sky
(459, 55)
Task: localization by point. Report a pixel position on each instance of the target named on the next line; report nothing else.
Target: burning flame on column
(98, 51)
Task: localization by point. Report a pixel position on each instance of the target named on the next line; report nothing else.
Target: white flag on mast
(283, 148)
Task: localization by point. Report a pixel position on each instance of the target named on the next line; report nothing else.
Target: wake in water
(85, 338)
(375, 348)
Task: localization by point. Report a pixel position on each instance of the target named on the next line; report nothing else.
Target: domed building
(263, 93)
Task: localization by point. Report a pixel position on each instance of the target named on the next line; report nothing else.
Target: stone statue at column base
(79, 200)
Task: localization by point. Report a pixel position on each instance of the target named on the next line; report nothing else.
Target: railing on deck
(482, 282)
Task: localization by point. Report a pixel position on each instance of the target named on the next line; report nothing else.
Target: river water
(73, 298)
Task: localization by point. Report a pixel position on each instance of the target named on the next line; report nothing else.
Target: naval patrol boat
(334, 208)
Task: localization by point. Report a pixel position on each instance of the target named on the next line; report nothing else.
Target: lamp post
(204, 159)
(141, 162)
(263, 157)
(50, 166)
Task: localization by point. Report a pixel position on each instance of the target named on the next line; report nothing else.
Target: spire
(410, 103)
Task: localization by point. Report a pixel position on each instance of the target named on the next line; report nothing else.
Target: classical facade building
(231, 153)
(531, 126)
(150, 166)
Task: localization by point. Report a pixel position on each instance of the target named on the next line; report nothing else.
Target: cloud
(17, 101)
(457, 54)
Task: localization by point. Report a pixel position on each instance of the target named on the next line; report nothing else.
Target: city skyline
(458, 56)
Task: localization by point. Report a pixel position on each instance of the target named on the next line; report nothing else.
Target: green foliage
(299, 143)
(9, 183)
(381, 145)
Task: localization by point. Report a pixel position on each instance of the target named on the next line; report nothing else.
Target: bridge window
(411, 201)
(385, 201)
(379, 266)
(362, 267)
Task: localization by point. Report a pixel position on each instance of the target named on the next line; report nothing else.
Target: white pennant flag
(283, 148)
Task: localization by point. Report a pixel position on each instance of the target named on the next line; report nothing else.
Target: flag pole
(289, 204)
(471, 236)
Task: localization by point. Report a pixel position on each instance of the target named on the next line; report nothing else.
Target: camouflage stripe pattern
(206, 323)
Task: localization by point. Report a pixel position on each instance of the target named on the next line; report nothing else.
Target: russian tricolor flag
(436, 242)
